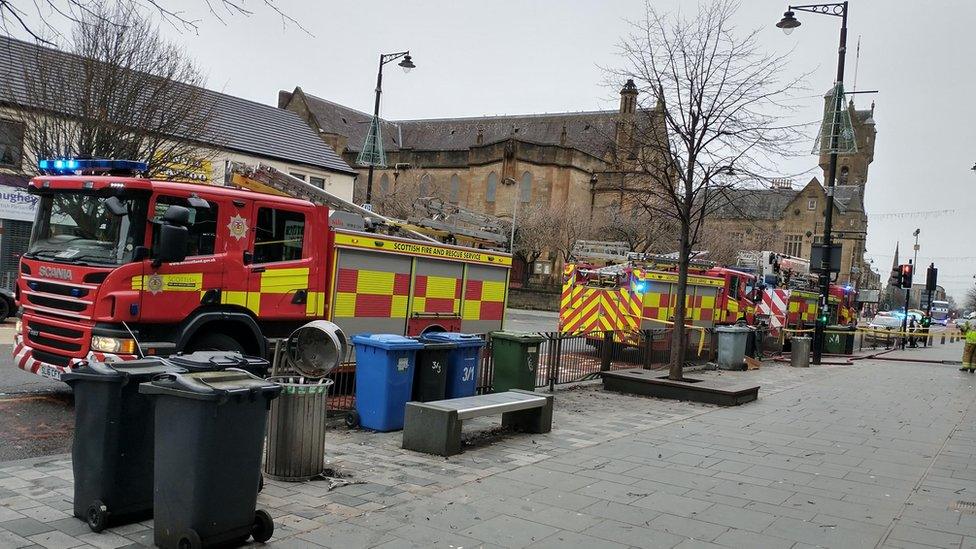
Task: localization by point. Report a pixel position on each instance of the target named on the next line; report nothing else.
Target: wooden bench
(435, 427)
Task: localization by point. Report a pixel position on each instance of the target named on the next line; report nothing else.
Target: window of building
(278, 235)
(525, 191)
(455, 191)
(317, 181)
(385, 184)
(843, 175)
(298, 175)
(202, 228)
(793, 244)
(11, 143)
(492, 188)
(811, 203)
(818, 239)
(425, 185)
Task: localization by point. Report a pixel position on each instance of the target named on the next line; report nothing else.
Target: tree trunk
(678, 339)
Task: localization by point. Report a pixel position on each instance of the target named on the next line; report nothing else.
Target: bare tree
(718, 102)
(399, 197)
(969, 302)
(40, 19)
(535, 235)
(120, 91)
(569, 222)
(643, 232)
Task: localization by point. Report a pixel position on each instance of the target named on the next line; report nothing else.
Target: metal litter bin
(800, 355)
(209, 434)
(732, 342)
(463, 363)
(112, 450)
(295, 448)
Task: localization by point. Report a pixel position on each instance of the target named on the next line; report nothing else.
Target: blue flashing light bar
(69, 166)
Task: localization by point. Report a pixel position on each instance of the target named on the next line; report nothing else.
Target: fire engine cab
(121, 266)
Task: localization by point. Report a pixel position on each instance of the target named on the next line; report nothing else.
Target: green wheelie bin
(839, 340)
(515, 359)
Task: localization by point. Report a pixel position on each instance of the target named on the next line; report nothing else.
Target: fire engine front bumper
(24, 359)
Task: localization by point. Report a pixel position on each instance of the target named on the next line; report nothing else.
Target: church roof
(755, 203)
(765, 203)
(591, 132)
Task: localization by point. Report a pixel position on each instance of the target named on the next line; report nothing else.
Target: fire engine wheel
(4, 309)
(214, 342)
(97, 516)
(263, 527)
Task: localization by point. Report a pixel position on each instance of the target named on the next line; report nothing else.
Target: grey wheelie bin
(112, 450)
(430, 370)
(209, 435)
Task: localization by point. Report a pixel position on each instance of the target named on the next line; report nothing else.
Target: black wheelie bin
(112, 451)
(209, 436)
(201, 361)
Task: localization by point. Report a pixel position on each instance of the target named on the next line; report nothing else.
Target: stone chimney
(284, 97)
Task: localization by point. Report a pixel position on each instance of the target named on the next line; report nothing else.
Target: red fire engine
(120, 266)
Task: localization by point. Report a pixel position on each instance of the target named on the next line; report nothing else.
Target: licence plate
(50, 372)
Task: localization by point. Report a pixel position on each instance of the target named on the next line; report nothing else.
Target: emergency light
(70, 166)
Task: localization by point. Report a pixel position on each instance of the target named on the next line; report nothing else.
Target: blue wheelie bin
(384, 379)
(463, 363)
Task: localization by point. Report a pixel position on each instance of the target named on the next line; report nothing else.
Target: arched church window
(525, 191)
(492, 188)
(455, 188)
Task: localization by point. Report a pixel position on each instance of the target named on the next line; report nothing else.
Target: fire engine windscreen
(79, 227)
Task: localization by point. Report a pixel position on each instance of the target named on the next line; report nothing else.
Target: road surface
(522, 320)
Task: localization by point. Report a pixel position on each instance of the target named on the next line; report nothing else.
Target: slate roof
(753, 203)
(591, 132)
(763, 203)
(237, 124)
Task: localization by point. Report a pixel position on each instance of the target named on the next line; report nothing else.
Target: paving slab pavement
(874, 454)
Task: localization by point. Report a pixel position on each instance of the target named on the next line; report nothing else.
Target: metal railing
(563, 359)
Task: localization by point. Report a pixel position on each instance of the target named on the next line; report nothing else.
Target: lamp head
(407, 63)
(788, 22)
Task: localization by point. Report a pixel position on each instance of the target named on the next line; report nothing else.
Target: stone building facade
(790, 220)
(486, 163)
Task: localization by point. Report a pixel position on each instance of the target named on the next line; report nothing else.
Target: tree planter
(652, 383)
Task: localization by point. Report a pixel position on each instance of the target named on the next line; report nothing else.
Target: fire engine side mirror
(172, 244)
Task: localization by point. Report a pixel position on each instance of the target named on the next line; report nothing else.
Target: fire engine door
(173, 290)
(281, 266)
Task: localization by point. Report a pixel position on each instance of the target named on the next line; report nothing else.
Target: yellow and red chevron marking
(601, 309)
(376, 294)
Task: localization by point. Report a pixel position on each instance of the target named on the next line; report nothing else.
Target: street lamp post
(788, 23)
(406, 65)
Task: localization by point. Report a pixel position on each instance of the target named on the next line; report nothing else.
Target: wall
(536, 299)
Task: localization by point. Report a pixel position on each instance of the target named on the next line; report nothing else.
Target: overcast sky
(508, 57)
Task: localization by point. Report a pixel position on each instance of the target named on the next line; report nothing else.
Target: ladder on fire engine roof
(264, 178)
(454, 219)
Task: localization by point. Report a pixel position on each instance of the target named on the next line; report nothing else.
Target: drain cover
(963, 506)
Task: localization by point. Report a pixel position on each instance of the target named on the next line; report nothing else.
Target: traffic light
(905, 276)
(931, 278)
